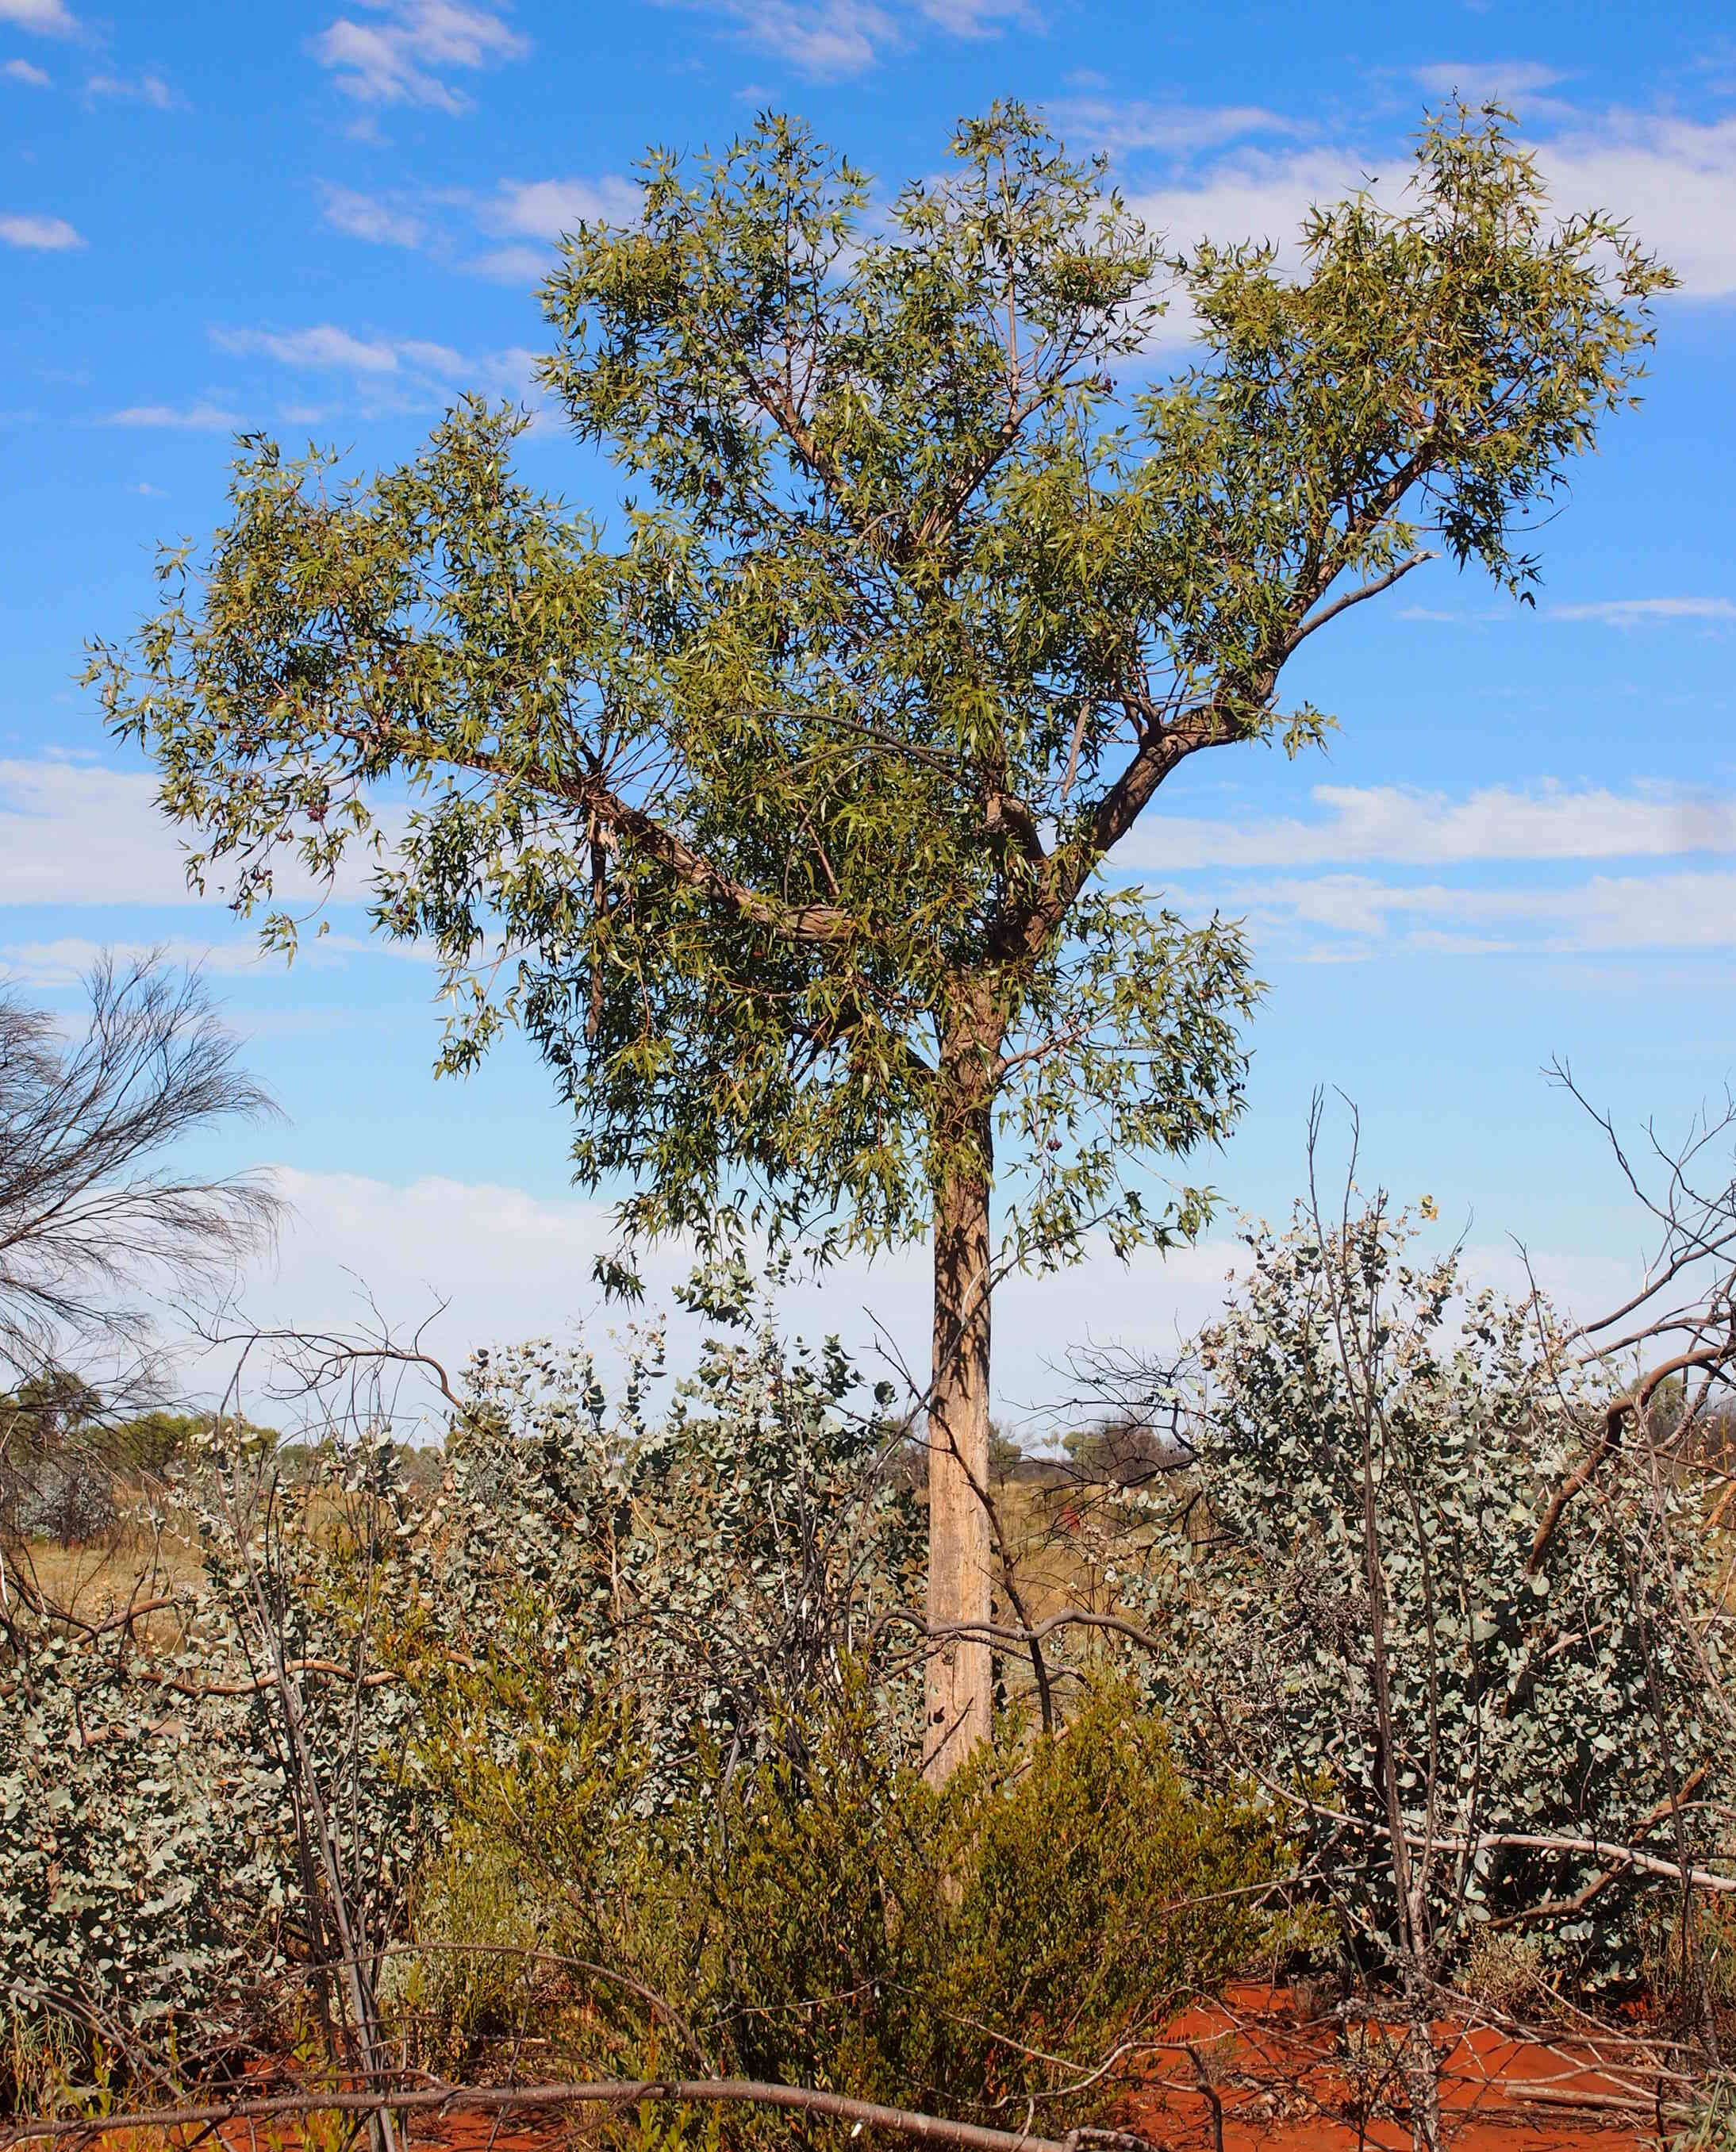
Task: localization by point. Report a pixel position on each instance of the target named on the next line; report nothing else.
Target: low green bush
(480, 1968)
(826, 1918)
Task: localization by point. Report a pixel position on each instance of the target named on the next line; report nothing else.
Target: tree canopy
(775, 808)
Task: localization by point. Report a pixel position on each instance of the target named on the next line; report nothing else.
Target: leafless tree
(97, 1217)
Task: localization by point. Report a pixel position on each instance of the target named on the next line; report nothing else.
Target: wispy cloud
(70, 958)
(407, 53)
(1522, 86)
(75, 832)
(829, 38)
(50, 234)
(1604, 613)
(519, 264)
(1672, 178)
(48, 18)
(521, 210)
(367, 217)
(1422, 829)
(1641, 612)
(186, 418)
(1694, 911)
(1254, 194)
(323, 346)
(482, 1262)
(141, 89)
(407, 368)
(545, 209)
(979, 18)
(22, 71)
(1134, 128)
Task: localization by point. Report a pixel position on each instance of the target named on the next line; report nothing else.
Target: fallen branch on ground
(902, 2122)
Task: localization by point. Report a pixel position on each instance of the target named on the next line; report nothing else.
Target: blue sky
(325, 221)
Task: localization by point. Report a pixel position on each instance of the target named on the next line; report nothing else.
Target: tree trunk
(960, 1673)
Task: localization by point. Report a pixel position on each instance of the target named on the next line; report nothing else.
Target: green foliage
(48, 1410)
(479, 1971)
(153, 1887)
(714, 1564)
(679, 1742)
(791, 803)
(139, 1834)
(828, 1919)
(1355, 1408)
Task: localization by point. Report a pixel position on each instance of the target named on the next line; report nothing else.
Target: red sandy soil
(1285, 2085)
(1283, 2082)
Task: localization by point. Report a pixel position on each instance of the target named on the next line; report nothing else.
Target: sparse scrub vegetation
(766, 1736)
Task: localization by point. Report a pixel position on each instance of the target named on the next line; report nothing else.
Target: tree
(91, 1220)
(776, 810)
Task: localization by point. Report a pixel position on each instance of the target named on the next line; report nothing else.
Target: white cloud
(1640, 612)
(1258, 194)
(438, 358)
(147, 89)
(1129, 129)
(513, 1264)
(1674, 180)
(76, 833)
(48, 18)
(829, 38)
(1522, 86)
(1610, 912)
(52, 234)
(321, 346)
(365, 216)
(512, 265)
(404, 56)
(22, 71)
(1604, 613)
(409, 369)
(72, 831)
(201, 418)
(1419, 829)
(524, 210)
(978, 18)
(545, 209)
(69, 958)
(821, 38)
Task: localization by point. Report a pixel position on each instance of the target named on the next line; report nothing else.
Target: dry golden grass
(96, 1582)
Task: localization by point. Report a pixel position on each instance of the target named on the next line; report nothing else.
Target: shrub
(1355, 1406)
(714, 1565)
(479, 1967)
(66, 1497)
(137, 1886)
(826, 1918)
(152, 1882)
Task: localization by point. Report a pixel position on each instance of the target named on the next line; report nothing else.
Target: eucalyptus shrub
(717, 1564)
(140, 1829)
(159, 1881)
(1363, 1426)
